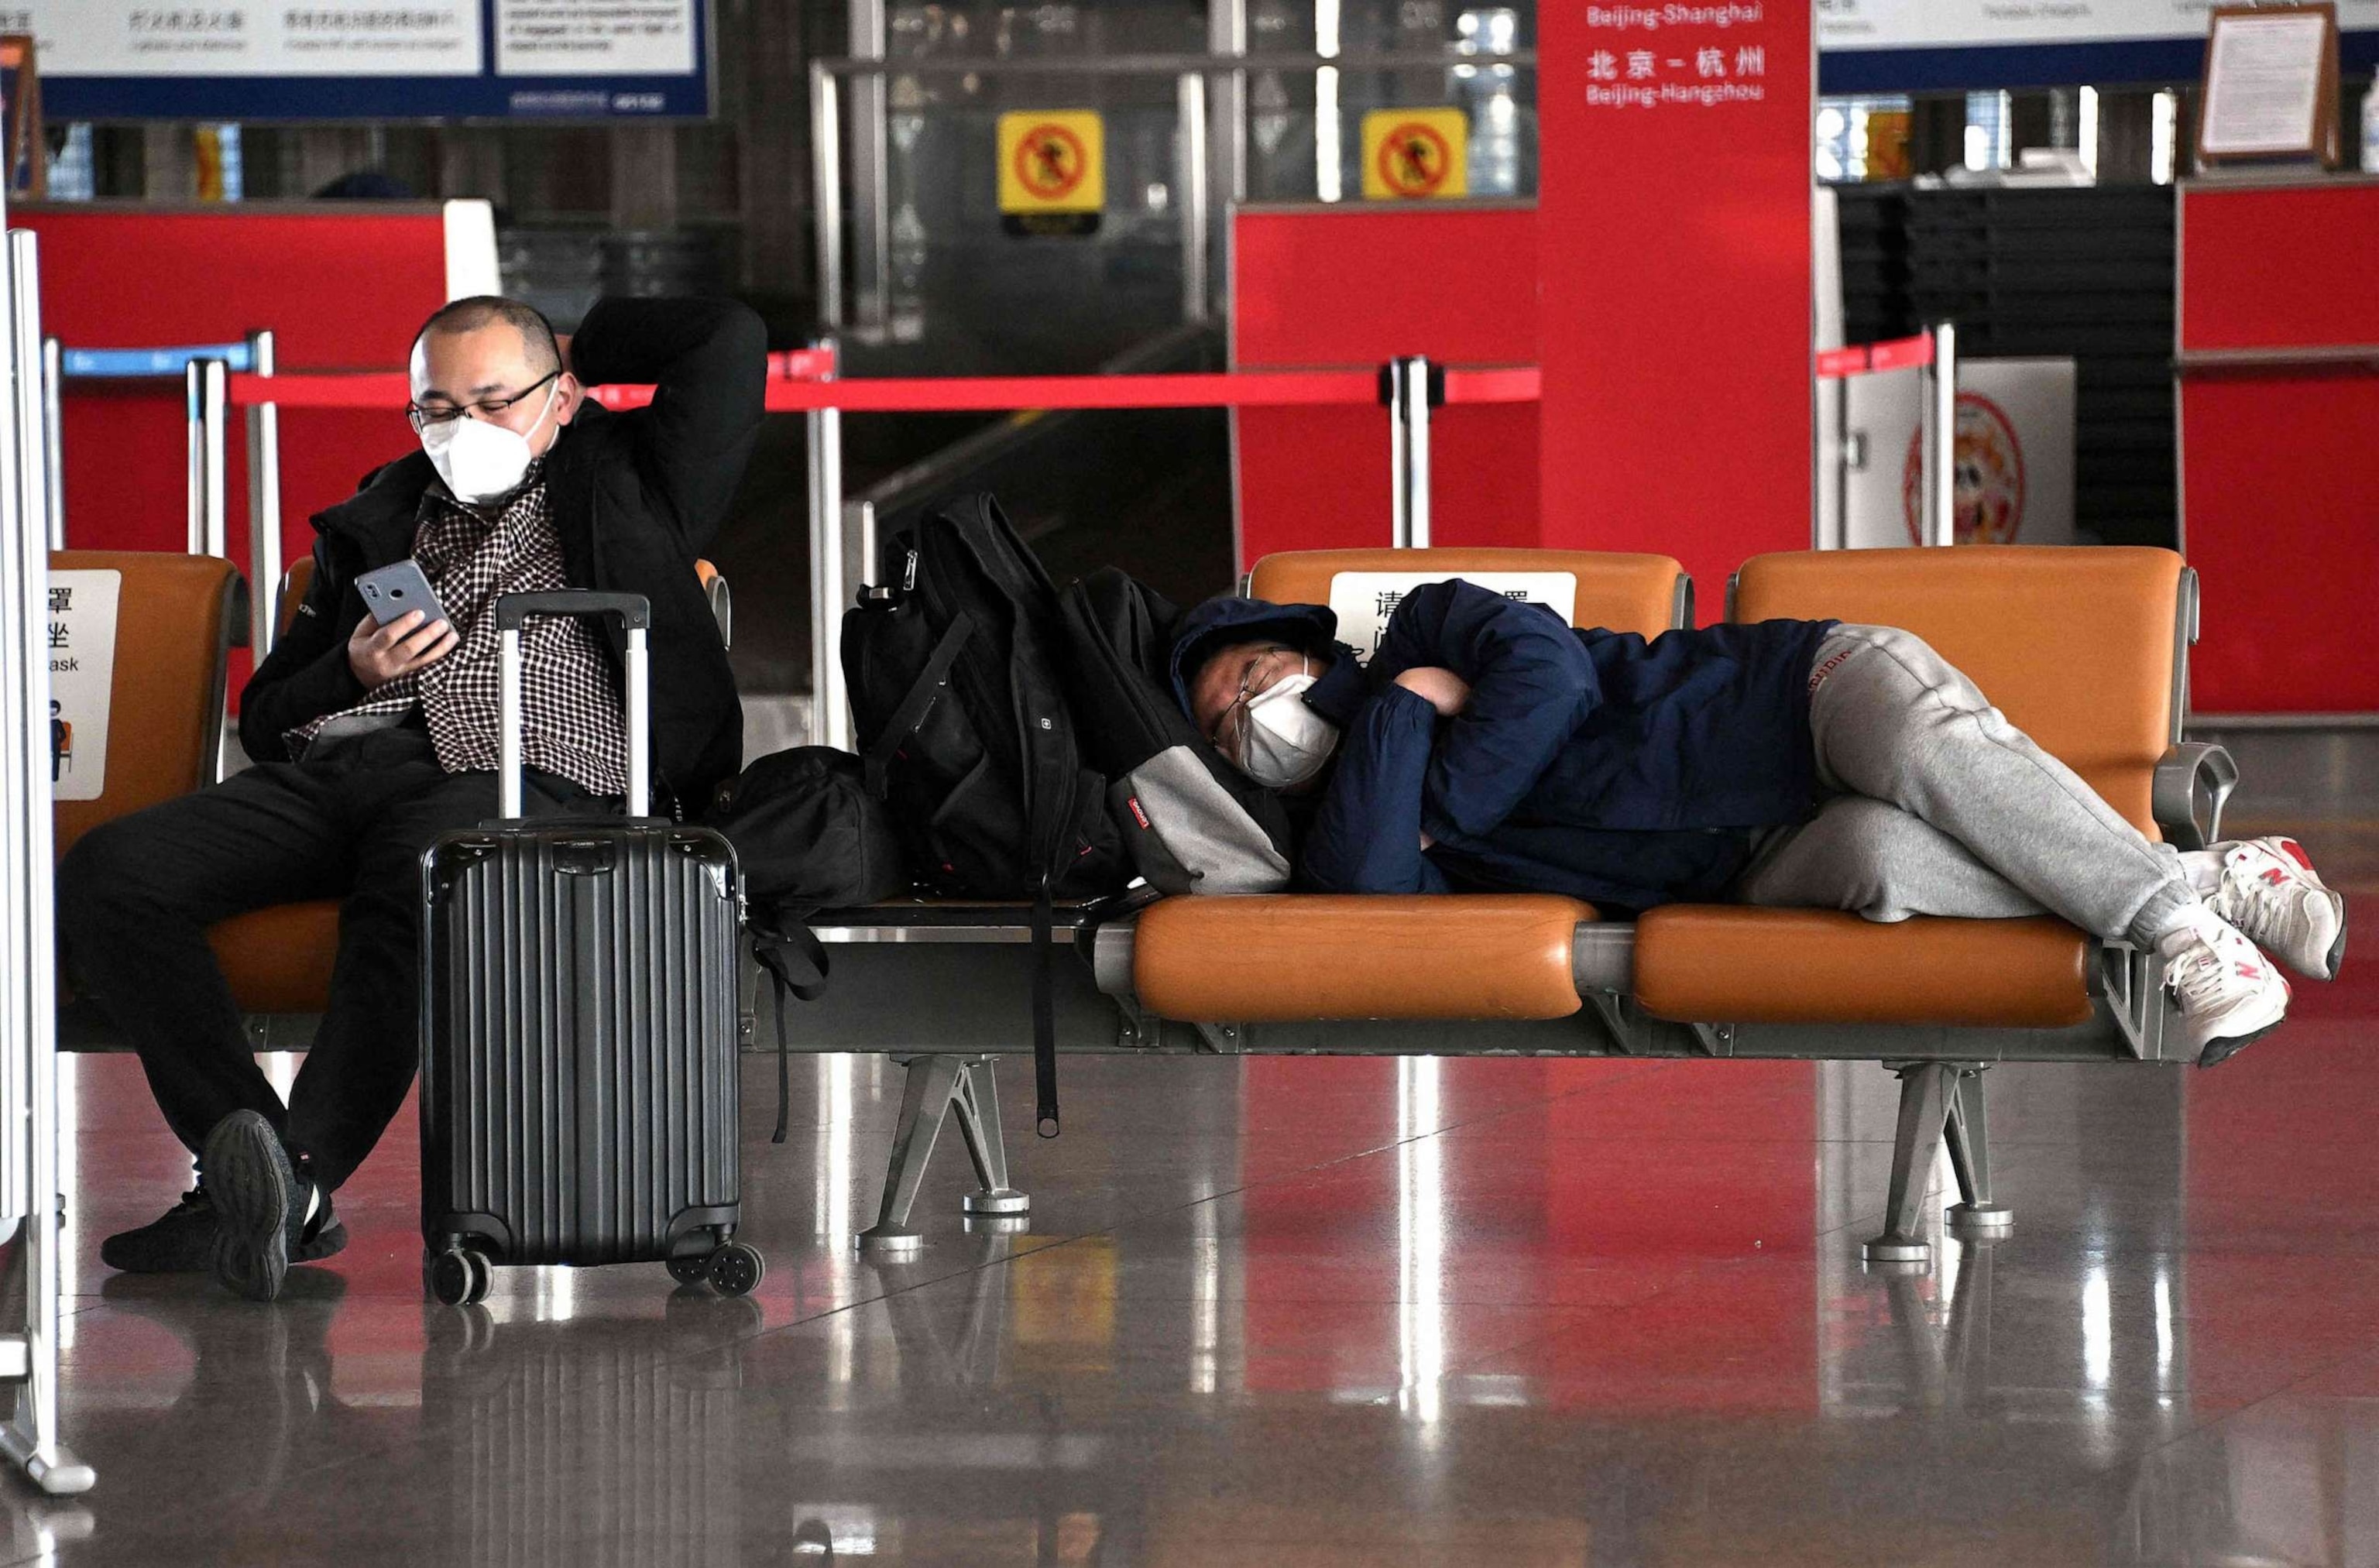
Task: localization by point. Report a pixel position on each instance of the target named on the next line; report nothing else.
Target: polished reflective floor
(1323, 1313)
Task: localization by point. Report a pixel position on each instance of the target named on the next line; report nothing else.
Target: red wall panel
(2278, 466)
(341, 287)
(1360, 285)
(1673, 234)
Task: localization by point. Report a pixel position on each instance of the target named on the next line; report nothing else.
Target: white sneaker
(2229, 994)
(2268, 890)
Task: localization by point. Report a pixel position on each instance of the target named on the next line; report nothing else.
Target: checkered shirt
(571, 722)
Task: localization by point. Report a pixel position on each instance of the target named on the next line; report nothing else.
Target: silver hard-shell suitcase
(579, 1091)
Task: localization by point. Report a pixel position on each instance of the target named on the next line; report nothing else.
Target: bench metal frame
(944, 990)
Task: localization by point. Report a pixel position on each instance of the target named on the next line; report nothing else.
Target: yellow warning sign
(1052, 161)
(1415, 154)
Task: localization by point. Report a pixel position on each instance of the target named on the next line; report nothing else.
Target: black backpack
(1191, 821)
(965, 733)
(807, 837)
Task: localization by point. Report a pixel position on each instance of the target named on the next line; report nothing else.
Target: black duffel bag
(807, 837)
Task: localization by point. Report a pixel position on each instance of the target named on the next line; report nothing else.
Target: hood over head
(1228, 619)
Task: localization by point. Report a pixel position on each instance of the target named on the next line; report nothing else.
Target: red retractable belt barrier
(1867, 359)
(788, 394)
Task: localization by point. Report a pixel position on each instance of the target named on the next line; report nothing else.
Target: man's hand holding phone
(379, 654)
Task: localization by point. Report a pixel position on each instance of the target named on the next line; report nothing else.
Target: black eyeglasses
(1231, 724)
(423, 414)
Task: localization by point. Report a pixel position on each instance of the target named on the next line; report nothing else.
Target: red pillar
(1674, 267)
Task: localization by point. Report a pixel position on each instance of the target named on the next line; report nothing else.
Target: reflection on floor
(1321, 1313)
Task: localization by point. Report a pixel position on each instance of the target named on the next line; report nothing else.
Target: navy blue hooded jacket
(1627, 772)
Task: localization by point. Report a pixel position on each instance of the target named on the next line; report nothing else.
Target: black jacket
(634, 497)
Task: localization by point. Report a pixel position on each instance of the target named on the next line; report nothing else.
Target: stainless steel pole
(830, 701)
(871, 184)
(1416, 484)
(1197, 223)
(195, 437)
(31, 1436)
(826, 189)
(1944, 476)
(1400, 532)
(263, 508)
(53, 436)
(214, 398)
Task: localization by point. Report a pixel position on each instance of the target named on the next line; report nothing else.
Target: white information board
(98, 37)
(1923, 24)
(82, 678)
(1364, 600)
(594, 37)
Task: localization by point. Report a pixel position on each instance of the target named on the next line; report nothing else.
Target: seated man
(371, 741)
(1489, 747)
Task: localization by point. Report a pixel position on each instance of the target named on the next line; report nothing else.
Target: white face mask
(1286, 742)
(481, 460)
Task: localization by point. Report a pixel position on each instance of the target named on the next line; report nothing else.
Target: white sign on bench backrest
(82, 678)
(1364, 600)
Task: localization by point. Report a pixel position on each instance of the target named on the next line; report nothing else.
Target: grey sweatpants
(1939, 806)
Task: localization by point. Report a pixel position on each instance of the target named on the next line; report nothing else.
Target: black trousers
(135, 897)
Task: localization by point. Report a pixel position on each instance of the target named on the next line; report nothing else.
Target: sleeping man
(1810, 764)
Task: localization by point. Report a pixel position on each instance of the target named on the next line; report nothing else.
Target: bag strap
(789, 933)
(912, 711)
(1045, 1016)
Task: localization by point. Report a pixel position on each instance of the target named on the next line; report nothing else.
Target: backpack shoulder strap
(912, 711)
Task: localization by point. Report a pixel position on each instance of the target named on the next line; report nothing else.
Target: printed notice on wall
(584, 38)
(1364, 600)
(2263, 83)
(83, 678)
(293, 38)
(1674, 56)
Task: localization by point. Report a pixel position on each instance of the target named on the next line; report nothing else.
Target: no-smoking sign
(1415, 154)
(1052, 161)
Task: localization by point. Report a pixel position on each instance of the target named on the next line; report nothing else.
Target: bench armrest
(2193, 781)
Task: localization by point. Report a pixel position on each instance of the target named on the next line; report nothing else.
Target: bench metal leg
(935, 1086)
(1970, 1156)
(1938, 1101)
(1924, 1118)
(977, 1103)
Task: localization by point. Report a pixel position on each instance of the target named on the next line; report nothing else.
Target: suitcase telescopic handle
(512, 611)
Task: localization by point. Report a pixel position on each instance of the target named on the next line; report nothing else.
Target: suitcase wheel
(458, 1276)
(690, 1268)
(735, 1269)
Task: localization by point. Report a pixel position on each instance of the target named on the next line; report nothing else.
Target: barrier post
(194, 440)
(53, 436)
(1191, 180)
(830, 702)
(29, 1141)
(264, 506)
(205, 384)
(825, 188)
(1938, 474)
(1407, 390)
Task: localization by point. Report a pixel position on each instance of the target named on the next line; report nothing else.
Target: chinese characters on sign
(1363, 602)
(83, 678)
(1675, 56)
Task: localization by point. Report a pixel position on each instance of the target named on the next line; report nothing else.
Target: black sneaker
(258, 1207)
(182, 1240)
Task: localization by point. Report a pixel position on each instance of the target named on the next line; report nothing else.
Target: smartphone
(397, 590)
